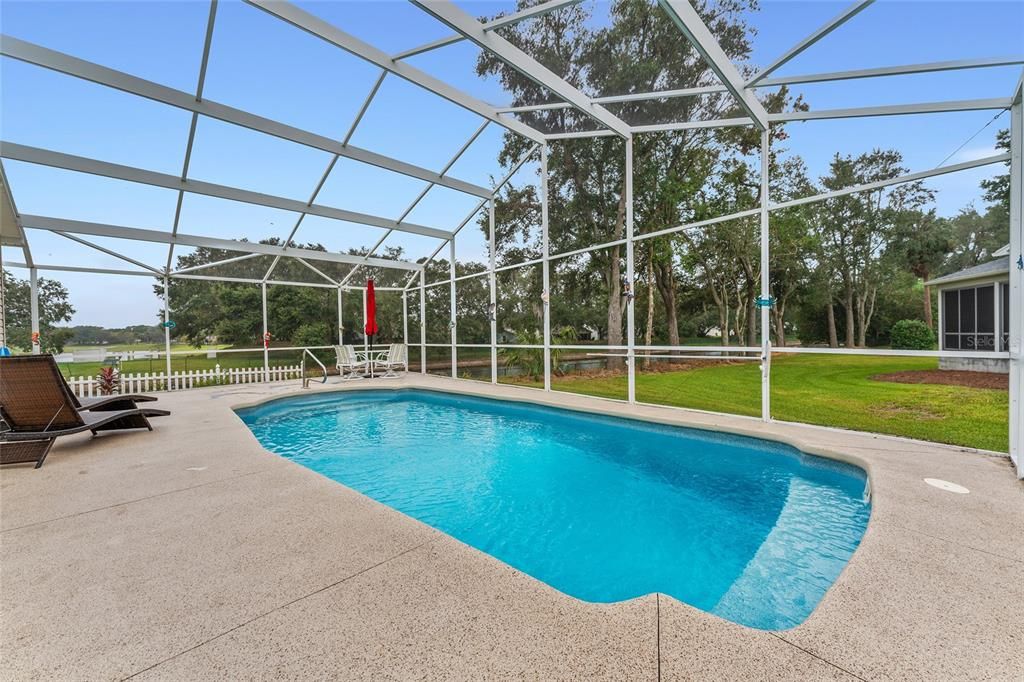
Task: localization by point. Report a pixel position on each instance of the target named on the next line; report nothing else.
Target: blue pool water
(600, 508)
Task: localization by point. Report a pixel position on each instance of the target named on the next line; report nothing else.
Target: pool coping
(930, 592)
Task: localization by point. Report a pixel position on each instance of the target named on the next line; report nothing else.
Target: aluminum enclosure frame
(485, 36)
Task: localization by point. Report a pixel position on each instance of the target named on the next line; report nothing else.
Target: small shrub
(312, 334)
(912, 335)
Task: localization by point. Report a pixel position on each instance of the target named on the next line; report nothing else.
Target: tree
(791, 240)
(232, 312)
(854, 232)
(641, 50)
(997, 189)
(54, 307)
(923, 241)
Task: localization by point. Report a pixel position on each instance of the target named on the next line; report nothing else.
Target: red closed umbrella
(371, 312)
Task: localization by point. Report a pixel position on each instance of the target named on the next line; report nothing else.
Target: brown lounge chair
(38, 406)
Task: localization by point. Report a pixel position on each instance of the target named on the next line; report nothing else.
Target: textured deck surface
(191, 553)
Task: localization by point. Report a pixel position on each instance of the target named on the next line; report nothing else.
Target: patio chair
(348, 363)
(397, 357)
(37, 407)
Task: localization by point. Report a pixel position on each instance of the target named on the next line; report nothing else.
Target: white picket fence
(87, 387)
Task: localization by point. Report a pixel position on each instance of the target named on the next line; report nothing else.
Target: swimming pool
(603, 509)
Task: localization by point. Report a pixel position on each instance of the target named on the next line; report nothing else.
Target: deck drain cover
(947, 486)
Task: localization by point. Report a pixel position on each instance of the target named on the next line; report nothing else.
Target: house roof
(998, 266)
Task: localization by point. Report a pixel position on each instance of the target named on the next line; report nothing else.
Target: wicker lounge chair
(37, 407)
(397, 358)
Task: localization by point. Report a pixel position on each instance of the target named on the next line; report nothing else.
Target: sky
(262, 65)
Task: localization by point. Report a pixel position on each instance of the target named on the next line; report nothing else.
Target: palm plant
(531, 360)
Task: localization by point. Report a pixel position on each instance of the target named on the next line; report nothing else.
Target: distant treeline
(89, 335)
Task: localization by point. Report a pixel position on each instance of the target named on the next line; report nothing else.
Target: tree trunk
(666, 283)
(859, 309)
(615, 287)
(649, 333)
(752, 321)
(928, 307)
(723, 322)
(867, 317)
(780, 322)
(740, 317)
(615, 308)
(833, 338)
(672, 316)
(850, 324)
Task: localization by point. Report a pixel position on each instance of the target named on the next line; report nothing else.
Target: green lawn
(120, 347)
(199, 361)
(829, 390)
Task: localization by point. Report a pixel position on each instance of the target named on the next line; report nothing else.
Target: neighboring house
(974, 313)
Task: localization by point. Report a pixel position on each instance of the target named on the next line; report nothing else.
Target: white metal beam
(333, 162)
(463, 23)
(246, 280)
(630, 292)
(75, 268)
(200, 84)
(318, 27)
(33, 293)
(690, 23)
(692, 125)
(79, 68)
(508, 20)
(1016, 288)
(698, 224)
(929, 67)
(537, 10)
(855, 112)
(317, 271)
(657, 128)
(910, 177)
(616, 99)
(545, 246)
(45, 157)
(199, 241)
(817, 35)
(204, 266)
(765, 266)
(579, 135)
(508, 176)
(15, 216)
(894, 110)
(906, 69)
(419, 198)
(110, 252)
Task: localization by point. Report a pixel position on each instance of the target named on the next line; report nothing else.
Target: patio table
(371, 357)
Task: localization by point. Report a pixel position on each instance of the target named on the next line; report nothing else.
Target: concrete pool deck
(191, 553)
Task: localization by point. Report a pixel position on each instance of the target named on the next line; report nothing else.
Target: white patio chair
(397, 357)
(348, 363)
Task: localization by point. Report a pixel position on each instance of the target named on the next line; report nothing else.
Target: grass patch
(827, 390)
(186, 363)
